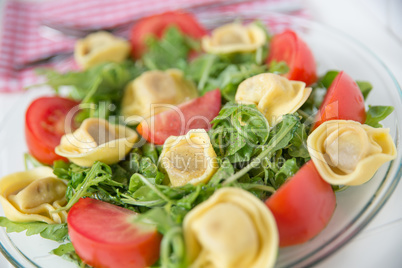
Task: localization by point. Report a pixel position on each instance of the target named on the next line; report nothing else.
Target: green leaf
(327, 79)
(375, 114)
(67, 252)
(158, 217)
(238, 131)
(56, 232)
(282, 133)
(63, 249)
(225, 171)
(171, 51)
(365, 87)
(288, 169)
(280, 137)
(278, 67)
(29, 160)
(298, 144)
(148, 167)
(99, 173)
(150, 151)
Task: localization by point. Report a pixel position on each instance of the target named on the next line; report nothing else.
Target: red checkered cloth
(25, 40)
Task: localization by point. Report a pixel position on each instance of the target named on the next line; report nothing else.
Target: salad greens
(375, 114)
(260, 157)
(56, 232)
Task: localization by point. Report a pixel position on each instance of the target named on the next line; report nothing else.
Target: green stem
(172, 238)
(264, 188)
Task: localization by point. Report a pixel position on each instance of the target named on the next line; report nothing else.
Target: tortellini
(273, 94)
(233, 228)
(346, 152)
(97, 140)
(143, 94)
(189, 158)
(234, 37)
(100, 47)
(33, 196)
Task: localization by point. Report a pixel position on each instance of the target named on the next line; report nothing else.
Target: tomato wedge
(157, 24)
(302, 207)
(104, 235)
(194, 114)
(343, 100)
(289, 47)
(45, 122)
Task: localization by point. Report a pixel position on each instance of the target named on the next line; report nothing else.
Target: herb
(171, 51)
(365, 88)
(375, 114)
(67, 252)
(238, 131)
(211, 72)
(29, 160)
(98, 174)
(288, 169)
(100, 88)
(280, 136)
(278, 67)
(56, 232)
(326, 79)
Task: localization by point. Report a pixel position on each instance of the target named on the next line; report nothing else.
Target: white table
(380, 243)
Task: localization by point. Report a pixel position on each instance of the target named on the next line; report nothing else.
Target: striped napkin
(25, 39)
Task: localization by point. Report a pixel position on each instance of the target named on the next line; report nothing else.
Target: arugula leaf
(171, 51)
(327, 79)
(278, 67)
(150, 151)
(280, 136)
(365, 88)
(298, 144)
(225, 72)
(238, 131)
(97, 88)
(98, 174)
(375, 114)
(56, 232)
(288, 169)
(29, 160)
(67, 252)
(225, 170)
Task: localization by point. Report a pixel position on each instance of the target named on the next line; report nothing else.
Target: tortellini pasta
(233, 228)
(100, 47)
(273, 94)
(346, 152)
(189, 158)
(143, 94)
(234, 37)
(33, 196)
(97, 140)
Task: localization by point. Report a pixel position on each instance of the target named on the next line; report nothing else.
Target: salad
(201, 150)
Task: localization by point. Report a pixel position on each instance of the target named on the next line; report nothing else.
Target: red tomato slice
(157, 24)
(343, 100)
(289, 47)
(45, 125)
(194, 114)
(302, 207)
(104, 235)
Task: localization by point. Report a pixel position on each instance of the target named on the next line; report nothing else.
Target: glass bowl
(356, 206)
